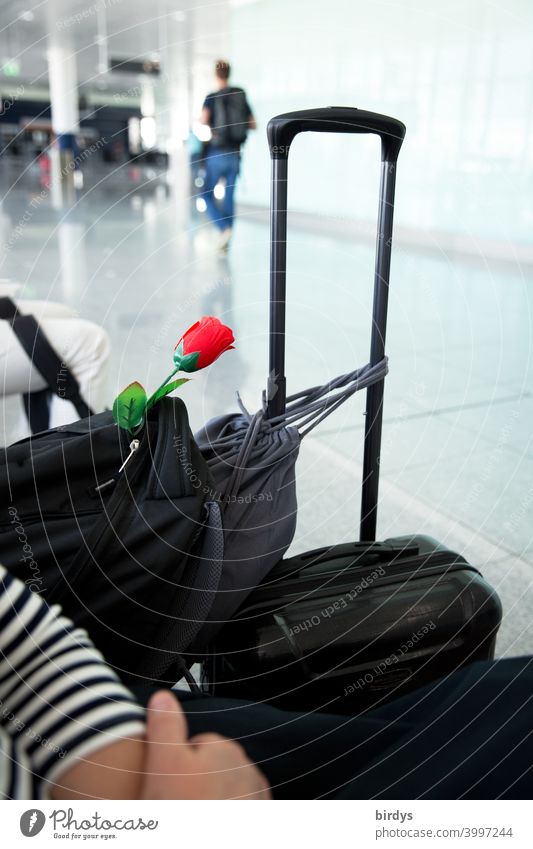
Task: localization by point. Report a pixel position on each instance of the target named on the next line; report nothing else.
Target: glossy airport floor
(457, 459)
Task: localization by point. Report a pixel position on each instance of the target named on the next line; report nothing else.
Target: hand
(207, 766)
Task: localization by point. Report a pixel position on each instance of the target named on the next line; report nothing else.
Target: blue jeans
(221, 163)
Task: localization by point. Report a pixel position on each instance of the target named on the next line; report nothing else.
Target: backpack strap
(8, 308)
(58, 376)
(37, 409)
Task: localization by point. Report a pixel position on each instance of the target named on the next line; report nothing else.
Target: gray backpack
(230, 119)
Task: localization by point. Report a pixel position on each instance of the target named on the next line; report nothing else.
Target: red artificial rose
(202, 344)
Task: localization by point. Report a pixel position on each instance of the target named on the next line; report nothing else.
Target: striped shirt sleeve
(59, 701)
(16, 780)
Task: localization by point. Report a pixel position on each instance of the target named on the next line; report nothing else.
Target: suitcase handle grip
(282, 129)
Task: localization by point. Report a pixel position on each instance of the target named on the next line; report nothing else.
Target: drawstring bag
(251, 459)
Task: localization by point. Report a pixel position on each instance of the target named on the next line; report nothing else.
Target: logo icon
(32, 822)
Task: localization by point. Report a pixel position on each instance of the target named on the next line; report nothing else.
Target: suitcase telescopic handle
(281, 131)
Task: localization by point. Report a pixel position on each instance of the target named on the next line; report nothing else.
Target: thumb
(166, 732)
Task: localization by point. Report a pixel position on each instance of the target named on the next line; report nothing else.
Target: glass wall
(459, 73)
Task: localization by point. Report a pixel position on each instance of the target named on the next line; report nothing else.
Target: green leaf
(129, 406)
(165, 390)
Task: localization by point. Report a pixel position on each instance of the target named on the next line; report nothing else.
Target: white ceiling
(125, 28)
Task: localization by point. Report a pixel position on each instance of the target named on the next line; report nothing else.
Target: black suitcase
(347, 627)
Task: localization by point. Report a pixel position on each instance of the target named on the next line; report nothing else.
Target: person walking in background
(228, 114)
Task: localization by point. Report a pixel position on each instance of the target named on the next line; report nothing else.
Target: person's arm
(252, 123)
(207, 109)
(207, 766)
(114, 771)
(70, 730)
(59, 702)
(15, 770)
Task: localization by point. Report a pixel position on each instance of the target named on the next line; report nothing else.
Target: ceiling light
(27, 15)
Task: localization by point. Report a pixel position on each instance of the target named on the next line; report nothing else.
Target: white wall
(459, 73)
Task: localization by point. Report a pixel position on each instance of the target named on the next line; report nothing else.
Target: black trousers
(467, 736)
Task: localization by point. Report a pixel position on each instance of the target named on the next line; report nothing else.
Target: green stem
(171, 375)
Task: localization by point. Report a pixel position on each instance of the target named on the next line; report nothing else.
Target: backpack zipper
(93, 544)
(134, 446)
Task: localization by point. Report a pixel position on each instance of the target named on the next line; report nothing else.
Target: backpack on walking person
(231, 116)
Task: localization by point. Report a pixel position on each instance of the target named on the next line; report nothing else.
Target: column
(175, 53)
(63, 80)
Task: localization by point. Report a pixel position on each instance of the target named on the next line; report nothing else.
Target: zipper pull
(134, 444)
